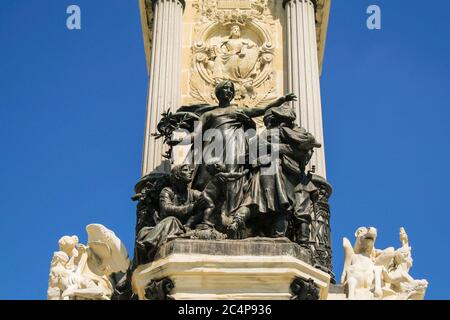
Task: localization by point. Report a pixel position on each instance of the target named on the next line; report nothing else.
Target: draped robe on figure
(231, 126)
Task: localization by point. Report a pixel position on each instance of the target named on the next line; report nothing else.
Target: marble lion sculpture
(361, 276)
(370, 273)
(80, 272)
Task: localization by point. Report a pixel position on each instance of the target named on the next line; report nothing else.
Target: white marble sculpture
(399, 284)
(80, 272)
(370, 273)
(234, 58)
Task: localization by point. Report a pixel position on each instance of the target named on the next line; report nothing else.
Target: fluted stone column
(165, 78)
(302, 72)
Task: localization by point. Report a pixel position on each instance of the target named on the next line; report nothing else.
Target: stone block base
(253, 269)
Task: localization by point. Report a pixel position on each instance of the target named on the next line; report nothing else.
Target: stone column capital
(182, 2)
(314, 2)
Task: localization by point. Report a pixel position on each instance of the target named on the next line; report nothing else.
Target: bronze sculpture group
(230, 196)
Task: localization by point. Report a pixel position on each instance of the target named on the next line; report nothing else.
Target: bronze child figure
(214, 192)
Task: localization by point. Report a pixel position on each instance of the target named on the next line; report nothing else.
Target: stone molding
(228, 277)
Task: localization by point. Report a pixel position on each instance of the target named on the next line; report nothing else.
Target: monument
(233, 198)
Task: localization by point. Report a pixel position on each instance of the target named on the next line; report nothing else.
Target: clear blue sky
(72, 108)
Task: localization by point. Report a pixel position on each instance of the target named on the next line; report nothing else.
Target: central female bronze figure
(231, 123)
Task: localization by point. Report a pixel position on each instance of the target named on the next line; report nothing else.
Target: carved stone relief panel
(234, 41)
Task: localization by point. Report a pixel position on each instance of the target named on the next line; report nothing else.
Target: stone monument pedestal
(256, 269)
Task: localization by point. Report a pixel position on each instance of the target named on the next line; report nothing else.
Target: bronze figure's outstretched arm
(257, 112)
(232, 176)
